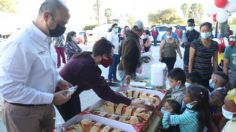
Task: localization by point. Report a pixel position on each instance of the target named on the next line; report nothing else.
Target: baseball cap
(139, 24)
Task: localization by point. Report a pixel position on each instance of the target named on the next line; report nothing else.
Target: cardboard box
(106, 121)
(160, 93)
(150, 125)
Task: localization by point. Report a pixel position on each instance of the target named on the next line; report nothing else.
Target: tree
(131, 20)
(108, 14)
(200, 12)
(233, 21)
(185, 10)
(194, 11)
(96, 8)
(167, 16)
(8, 6)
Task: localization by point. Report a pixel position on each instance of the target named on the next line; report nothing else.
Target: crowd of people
(201, 98)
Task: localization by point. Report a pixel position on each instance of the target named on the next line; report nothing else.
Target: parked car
(162, 31)
(82, 37)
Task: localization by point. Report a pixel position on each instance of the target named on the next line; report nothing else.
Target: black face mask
(58, 31)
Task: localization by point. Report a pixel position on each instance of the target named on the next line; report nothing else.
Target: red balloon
(214, 17)
(221, 3)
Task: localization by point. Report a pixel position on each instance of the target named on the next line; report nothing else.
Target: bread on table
(119, 108)
(136, 94)
(106, 129)
(87, 125)
(134, 120)
(110, 107)
(129, 111)
(130, 94)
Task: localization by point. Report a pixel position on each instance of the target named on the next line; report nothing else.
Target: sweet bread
(119, 108)
(87, 125)
(129, 111)
(110, 106)
(136, 94)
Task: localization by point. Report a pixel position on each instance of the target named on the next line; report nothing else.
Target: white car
(161, 31)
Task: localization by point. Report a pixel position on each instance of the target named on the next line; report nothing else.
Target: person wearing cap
(131, 53)
(191, 35)
(230, 61)
(28, 73)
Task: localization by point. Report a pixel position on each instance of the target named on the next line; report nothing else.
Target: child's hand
(159, 113)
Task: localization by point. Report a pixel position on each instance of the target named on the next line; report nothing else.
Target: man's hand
(63, 85)
(60, 97)
(158, 113)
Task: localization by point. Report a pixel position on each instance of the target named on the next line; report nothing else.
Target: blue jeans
(113, 67)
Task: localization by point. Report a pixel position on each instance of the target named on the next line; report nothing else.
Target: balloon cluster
(222, 10)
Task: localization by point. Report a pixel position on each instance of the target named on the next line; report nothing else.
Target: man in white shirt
(114, 39)
(28, 72)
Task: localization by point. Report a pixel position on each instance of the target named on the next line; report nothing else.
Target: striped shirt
(202, 61)
(187, 121)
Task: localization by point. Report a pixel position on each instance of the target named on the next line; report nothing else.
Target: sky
(82, 10)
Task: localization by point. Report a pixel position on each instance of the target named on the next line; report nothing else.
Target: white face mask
(74, 39)
(227, 114)
(168, 36)
(205, 35)
(187, 84)
(189, 28)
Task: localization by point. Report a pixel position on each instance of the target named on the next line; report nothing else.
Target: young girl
(173, 107)
(196, 115)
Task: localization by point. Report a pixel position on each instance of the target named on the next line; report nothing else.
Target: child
(229, 112)
(217, 83)
(172, 107)
(193, 77)
(197, 113)
(177, 80)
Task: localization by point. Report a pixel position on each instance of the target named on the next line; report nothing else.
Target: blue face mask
(116, 30)
(176, 87)
(190, 106)
(187, 84)
(164, 111)
(211, 84)
(205, 35)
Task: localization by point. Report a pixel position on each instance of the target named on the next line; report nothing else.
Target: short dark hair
(209, 25)
(70, 35)
(102, 47)
(175, 106)
(191, 20)
(195, 77)
(147, 32)
(223, 75)
(112, 26)
(52, 6)
(177, 74)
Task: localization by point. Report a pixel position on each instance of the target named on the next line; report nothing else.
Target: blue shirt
(173, 35)
(186, 121)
